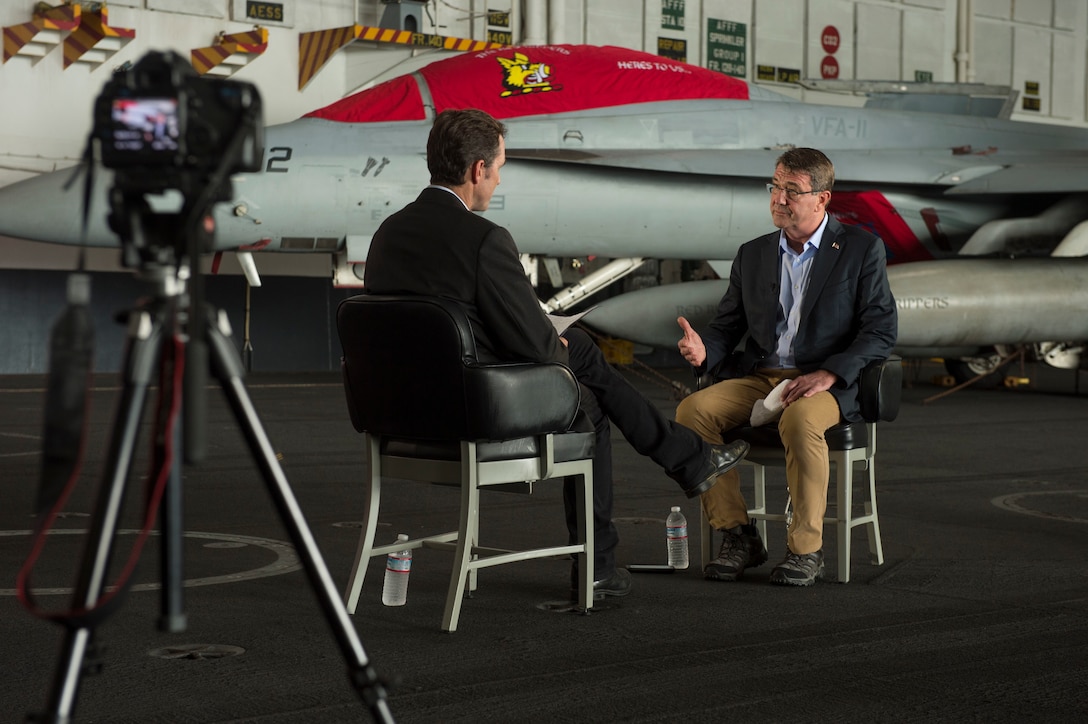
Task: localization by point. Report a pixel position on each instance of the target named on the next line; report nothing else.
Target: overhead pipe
(557, 21)
(536, 22)
(965, 40)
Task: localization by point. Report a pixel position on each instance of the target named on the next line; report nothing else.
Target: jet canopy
(535, 80)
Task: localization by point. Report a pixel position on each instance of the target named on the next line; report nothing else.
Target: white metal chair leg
(844, 477)
(462, 557)
(706, 535)
(585, 537)
(474, 540)
(876, 550)
(366, 538)
(760, 495)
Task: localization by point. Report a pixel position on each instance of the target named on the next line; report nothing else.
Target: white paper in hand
(561, 323)
(769, 408)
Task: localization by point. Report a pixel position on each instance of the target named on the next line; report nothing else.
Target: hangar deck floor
(980, 612)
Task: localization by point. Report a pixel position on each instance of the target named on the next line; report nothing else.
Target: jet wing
(957, 172)
(1067, 175)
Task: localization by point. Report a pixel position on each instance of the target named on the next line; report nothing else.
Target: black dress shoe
(722, 459)
(617, 585)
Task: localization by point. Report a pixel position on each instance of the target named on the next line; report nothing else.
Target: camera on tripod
(161, 126)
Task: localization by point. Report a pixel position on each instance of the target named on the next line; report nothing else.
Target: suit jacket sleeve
(730, 323)
(509, 308)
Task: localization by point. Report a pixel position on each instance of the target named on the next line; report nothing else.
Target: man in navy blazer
(808, 306)
(436, 246)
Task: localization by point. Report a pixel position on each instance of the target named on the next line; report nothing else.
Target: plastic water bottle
(397, 567)
(676, 531)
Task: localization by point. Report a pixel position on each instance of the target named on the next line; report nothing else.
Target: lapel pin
(834, 245)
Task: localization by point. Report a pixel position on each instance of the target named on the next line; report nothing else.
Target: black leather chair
(431, 412)
(850, 444)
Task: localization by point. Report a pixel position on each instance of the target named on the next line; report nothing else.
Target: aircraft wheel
(1066, 356)
(968, 368)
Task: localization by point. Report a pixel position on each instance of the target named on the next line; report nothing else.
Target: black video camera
(161, 126)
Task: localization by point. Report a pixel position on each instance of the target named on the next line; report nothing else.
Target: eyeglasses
(791, 194)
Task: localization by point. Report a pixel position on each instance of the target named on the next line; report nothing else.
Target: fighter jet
(616, 153)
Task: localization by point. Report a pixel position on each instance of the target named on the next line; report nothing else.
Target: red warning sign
(829, 39)
(829, 67)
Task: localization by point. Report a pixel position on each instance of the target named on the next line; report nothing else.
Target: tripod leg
(227, 368)
(145, 333)
(172, 618)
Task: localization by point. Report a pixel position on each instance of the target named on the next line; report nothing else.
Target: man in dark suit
(437, 246)
(812, 306)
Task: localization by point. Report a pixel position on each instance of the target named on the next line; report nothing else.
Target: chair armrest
(880, 388)
(504, 401)
(493, 402)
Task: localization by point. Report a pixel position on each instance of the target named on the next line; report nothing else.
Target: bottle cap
(676, 508)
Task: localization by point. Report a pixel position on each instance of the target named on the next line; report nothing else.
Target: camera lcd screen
(145, 125)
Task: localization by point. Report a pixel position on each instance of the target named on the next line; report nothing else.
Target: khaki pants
(728, 404)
